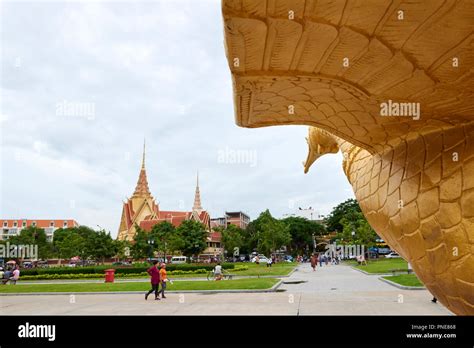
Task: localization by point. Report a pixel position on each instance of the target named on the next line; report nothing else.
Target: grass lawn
(278, 269)
(405, 279)
(251, 284)
(381, 265)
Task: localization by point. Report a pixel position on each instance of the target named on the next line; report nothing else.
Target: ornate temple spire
(142, 184)
(143, 159)
(197, 198)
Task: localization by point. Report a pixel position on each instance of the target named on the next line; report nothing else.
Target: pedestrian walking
(269, 262)
(12, 276)
(155, 280)
(164, 280)
(314, 261)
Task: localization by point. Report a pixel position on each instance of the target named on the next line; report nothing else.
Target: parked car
(121, 263)
(178, 259)
(42, 264)
(392, 255)
(383, 251)
(27, 264)
(288, 258)
(262, 258)
(87, 263)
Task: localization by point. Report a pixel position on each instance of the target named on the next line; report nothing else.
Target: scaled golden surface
(330, 64)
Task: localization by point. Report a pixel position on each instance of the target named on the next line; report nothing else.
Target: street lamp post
(150, 242)
(164, 253)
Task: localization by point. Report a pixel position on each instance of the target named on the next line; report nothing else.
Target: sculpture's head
(394, 95)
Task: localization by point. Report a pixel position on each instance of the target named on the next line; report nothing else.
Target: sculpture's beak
(319, 144)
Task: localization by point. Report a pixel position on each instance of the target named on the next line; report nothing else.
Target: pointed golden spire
(197, 197)
(142, 189)
(143, 159)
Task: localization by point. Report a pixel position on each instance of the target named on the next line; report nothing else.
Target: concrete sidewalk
(331, 290)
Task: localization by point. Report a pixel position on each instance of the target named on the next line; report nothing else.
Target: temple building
(142, 210)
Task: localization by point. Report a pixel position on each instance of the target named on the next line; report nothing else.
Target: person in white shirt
(218, 271)
(15, 276)
(269, 262)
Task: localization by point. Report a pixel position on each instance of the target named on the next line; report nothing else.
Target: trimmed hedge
(119, 269)
(56, 276)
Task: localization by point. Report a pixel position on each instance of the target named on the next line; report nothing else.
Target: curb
(230, 291)
(403, 287)
(371, 274)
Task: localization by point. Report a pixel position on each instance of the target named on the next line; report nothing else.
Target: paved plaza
(331, 290)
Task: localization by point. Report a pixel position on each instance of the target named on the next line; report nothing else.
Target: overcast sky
(82, 86)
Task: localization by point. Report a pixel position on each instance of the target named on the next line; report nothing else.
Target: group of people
(158, 277)
(270, 261)
(326, 259)
(10, 275)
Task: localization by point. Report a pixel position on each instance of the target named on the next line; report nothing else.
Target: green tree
(124, 249)
(72, 246)
(34, 236)
(101, 245)
(60, 235)
(357, 230)
(274, 235)
(268, 234)
(232, 239)
(194, 236)
(140, 248)
(89, 236)
(349, 210)
(164, 235)
(301, 231)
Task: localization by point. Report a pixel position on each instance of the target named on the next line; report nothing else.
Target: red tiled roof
(174, 220)
(215, 236)
(166, 213)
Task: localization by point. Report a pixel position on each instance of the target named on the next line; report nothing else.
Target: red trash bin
(109, 275)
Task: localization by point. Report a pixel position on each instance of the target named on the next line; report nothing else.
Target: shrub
(118, 269)
(130, 272)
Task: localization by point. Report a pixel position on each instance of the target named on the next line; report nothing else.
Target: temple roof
(197, 198)
(142, 189)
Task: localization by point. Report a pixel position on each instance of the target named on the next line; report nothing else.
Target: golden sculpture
(390, 84)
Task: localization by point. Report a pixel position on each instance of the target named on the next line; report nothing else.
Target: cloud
(154, 69)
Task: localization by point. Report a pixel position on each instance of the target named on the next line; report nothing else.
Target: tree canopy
(301, 231)
(349, 210)
(193, 237)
